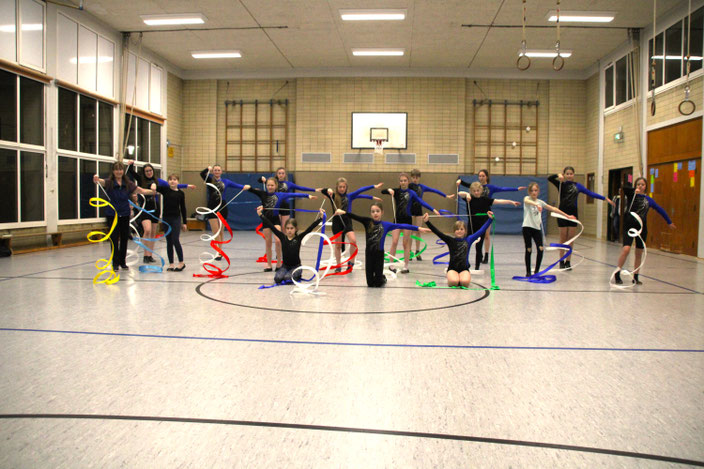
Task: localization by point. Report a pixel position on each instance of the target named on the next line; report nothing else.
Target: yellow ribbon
(104, 265)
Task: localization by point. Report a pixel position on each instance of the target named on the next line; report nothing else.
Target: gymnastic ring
(555, 62)
(520, 61)
(693, 108)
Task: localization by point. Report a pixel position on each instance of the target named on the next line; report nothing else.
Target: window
(89, 120)
(673, 52)
(105, 130)
(68, 188)
(31, 111)
(31, 186)
(621, 80)
(609, 88)
(8, 113)
(671, 65)
(8, 185)
(155, 143)
(147, 135)
(68, 120)
(87, 188)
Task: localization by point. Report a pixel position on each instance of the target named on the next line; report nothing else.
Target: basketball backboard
(390, 127)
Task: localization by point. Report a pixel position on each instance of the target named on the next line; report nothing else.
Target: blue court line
(651, 278)
(353, 344)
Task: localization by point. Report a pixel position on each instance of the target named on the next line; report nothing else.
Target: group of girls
(122, 186)
(407, 201)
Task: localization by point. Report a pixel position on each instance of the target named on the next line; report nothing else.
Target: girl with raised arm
(569, 192)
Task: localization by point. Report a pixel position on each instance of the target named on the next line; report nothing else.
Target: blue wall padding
(242, 212)
(509, 219)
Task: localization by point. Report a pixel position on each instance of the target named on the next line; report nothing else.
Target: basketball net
(379, 148)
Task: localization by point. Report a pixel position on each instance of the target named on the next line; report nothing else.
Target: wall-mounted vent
(400, 158)
(359, 158)
(316, 157)
(443, 159)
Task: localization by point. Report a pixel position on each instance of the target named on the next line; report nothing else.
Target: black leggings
(284, 274)
(537, 237)
(119, 238)
(480, 249)
(374, 268)
(172, 240)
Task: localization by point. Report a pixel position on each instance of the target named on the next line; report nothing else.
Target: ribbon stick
(106, 274)
(633, 233)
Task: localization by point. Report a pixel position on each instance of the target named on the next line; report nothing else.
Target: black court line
(646, 276)
(368, 431)
(353, 344)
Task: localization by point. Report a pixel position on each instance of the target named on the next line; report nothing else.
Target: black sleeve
(162, 189)
(554, 180)
(268, 224)
(386, 191)
(315, 223)
(363, 220)
(258, 192)
(203, 174)
(439, 233)
(182, 204)
(464, 183)
(134, 175)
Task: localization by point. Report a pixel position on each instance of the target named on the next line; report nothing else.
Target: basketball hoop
(379, 147)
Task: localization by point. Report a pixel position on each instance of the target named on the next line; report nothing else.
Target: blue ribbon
(138, 242)
(540, 277)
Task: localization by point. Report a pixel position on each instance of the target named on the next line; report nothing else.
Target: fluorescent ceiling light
(216, 54)
(377, 52)
(372, 15)
(177, 18)
(10, 28)
(546, 53)
(581, 16)
(693, 58)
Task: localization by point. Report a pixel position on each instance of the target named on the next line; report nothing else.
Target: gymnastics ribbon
(349, 262)
(264, 259)
(104, 266)
(633, 233)
(213, 270)
(132, 253)
(432, 284)
(412, 254)
(541, 277)
(139, 241)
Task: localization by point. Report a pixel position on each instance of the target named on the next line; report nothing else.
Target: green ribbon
(411, 253)
(432, 284)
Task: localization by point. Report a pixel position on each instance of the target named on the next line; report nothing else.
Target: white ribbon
(568, 242)
(311, 288)
(633, 233)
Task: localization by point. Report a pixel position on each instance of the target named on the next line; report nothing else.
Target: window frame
(18, 147)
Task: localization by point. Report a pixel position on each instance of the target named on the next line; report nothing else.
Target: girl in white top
(532, 224)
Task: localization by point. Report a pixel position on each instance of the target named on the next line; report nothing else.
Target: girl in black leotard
(458, 267)
(637, 202)
(290, 244)
(271, 202)
(404, 198)
(144, 178)
(477, 203)
(174, 216)
(569, 192)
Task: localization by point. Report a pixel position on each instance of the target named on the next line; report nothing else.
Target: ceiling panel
(316, 38)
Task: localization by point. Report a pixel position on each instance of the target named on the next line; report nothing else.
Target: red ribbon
(349, 262)
(213, 270)
(263, 259)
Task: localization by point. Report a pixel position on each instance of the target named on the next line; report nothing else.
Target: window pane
(609, 89)
(143, 139)
(88, 125)
(32, 186)
(673, 49)
(68, 206)
(621, 81)
(155, 143)
(8, 185)
(131, 122)
(697, 38)
(658, 62)
(104, 170)
(8, 110)
(68, 120)
(31, 111)
(88, 188)
(105, 131)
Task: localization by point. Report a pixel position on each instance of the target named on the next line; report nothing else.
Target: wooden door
(675, 187)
